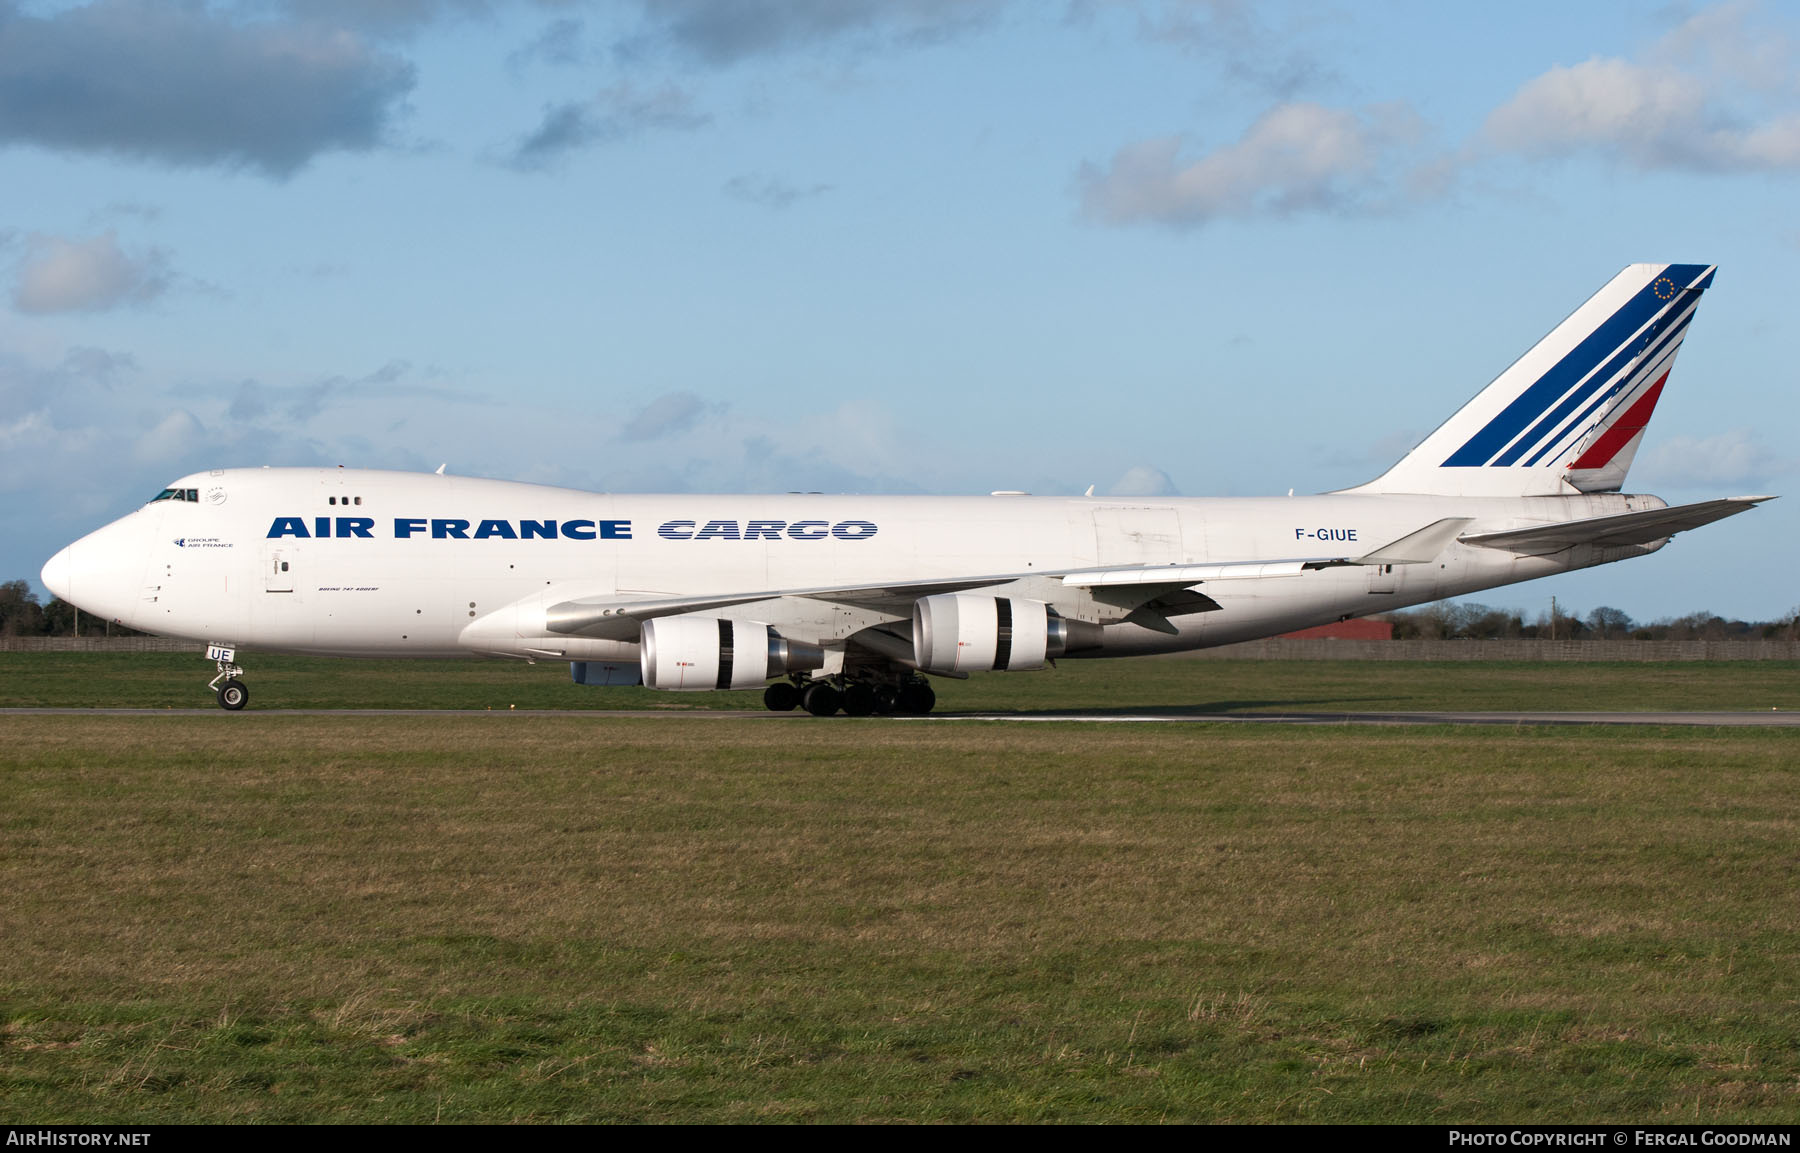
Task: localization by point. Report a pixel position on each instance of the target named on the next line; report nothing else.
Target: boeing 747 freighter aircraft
(851, 602)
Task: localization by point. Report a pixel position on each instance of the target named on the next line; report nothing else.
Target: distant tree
(1406, 627)
(22, 616)
(1708, 627)
(1437, 621)
(20, 613)
(1563, 626)
(59, 618)
(1444, 621)
(1609, 622)
(1479, 622)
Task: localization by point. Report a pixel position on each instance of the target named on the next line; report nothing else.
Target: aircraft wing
(1421, 547)
(1153, 592)
(1614, 531)
(619, 617)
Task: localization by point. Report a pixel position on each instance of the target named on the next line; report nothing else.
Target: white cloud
(1723, 41)
(24, 431)
(614, 114)
(1143, 480)
(172, 438)
(98, 365)
(1713, 95)
(667, 415)
(62, 274)
(193, 84)
(1234, 40)
(723, 34)
(1725, 459)
(1601, 100)
(561, 43)
(770, 191)
(1719, 93)
(387, 18)
(1297, 157)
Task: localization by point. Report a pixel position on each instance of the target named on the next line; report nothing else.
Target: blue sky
(1211, 248)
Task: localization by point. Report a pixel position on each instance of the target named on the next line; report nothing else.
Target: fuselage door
(1125, 535)
(278, 568)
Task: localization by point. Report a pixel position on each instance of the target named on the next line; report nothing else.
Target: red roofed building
(1360, 629)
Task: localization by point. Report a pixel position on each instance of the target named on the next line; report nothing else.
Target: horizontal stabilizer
(1614, 531)
(1421, 547)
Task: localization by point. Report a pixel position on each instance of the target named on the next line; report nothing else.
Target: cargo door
(1128, 535)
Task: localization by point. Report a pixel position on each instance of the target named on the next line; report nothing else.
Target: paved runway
(1769, 719)
(1730, 720)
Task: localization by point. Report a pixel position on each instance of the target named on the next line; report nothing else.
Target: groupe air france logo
(1664, 288)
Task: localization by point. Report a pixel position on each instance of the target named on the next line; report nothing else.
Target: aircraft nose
(59, 575)
(103, 572)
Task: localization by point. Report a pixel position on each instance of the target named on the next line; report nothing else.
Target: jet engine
(965, 632)
(690, 654)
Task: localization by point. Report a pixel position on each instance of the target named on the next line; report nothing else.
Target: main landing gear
(232, 692)
(824, 698)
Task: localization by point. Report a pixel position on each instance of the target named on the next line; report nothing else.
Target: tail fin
(1568, 415)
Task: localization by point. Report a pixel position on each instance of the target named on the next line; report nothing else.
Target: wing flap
(1614, 531)
(1180, 576)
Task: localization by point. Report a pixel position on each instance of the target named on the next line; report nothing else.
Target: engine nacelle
(967, 632)
(693, 654)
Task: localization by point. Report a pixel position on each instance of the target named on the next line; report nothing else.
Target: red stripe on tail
(1620, 434)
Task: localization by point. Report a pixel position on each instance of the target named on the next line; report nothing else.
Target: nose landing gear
(232, 692)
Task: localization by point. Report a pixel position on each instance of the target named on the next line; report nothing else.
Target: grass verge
(547, 919)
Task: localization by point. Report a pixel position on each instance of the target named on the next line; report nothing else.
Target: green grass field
(1165, 685)
(590, 918)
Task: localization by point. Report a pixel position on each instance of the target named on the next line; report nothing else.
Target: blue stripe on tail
(1602, 344)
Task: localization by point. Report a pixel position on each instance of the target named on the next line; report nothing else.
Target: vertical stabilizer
(1568, 415)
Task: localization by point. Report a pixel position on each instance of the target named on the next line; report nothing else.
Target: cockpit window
(187, 494)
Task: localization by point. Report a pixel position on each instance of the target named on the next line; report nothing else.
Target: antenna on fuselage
(441, 468)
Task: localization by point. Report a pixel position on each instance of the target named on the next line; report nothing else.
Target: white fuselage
(366, 563)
